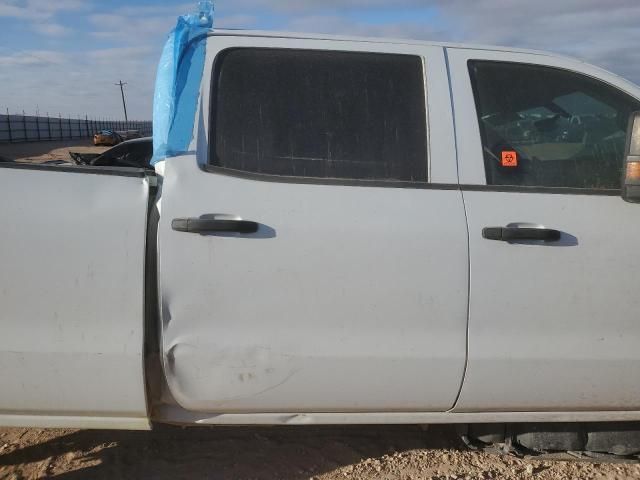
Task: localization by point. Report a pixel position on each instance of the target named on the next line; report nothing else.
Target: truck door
(72, 296)
(553, 301)
(350, 293)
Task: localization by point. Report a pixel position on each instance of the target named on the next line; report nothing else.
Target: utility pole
(124, 103)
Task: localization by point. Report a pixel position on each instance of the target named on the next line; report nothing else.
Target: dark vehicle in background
(131, 153)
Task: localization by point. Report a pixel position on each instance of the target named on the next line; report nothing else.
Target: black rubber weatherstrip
(609, 192)
(262, 177)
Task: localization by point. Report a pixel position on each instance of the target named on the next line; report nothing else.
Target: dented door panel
(347, 299)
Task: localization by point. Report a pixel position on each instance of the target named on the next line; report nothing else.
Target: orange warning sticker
(509, 159)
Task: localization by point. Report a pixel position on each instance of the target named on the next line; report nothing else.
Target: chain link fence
(32, 128)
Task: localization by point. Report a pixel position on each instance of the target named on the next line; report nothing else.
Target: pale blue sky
(63, 56)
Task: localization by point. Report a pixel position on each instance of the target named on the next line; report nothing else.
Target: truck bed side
(72, 296)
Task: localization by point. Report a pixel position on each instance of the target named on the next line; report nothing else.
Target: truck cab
(377, 173)
(360, 231)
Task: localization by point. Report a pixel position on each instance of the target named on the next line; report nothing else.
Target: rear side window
(548, 127)
(320, 114)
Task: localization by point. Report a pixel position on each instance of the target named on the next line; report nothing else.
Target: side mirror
(631, 180)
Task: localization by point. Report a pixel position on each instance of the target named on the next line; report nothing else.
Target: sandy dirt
(277, 453)
(44, 151)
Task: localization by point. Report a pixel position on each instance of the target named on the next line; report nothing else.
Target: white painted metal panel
(71, 292)
(552, 327)
(348, 299)
(175, 415)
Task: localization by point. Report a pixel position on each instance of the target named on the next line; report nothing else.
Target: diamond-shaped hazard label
(509, 159)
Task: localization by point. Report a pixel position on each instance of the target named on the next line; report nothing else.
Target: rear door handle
(514, 234)
(213, 225)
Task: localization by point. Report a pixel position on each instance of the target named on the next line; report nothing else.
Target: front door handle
(514, 234)
(213, 225)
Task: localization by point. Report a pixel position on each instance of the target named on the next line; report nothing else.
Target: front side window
(321, 114)
(547, 127)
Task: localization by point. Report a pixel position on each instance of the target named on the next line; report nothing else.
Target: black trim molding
(262, 177)
(547, 190)
(265, 177)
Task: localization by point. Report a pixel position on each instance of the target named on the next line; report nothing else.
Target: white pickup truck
(361, 231)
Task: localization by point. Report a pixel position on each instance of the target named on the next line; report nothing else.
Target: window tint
(548, 127)
(320, 114)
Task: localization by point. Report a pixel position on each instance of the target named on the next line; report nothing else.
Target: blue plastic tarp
(178, 81)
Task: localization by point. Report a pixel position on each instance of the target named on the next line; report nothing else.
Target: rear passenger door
(553, 324)
(352, 294)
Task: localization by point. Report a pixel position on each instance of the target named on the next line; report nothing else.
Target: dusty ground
(277, 453)
(44, 151)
